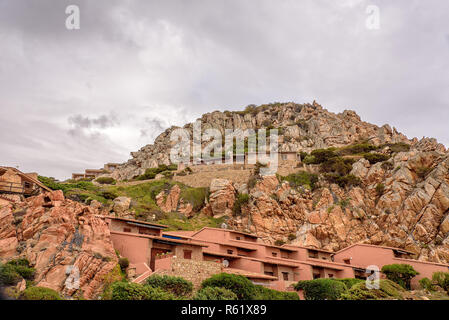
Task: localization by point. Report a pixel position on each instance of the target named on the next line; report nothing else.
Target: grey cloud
(102, 122)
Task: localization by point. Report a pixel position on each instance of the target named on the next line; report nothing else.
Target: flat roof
(160, 239)
(374, 246)
(226, 230)
(133, 221)
(308, 248)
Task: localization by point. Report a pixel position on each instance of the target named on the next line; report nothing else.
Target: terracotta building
(151, 249)
(15, 184)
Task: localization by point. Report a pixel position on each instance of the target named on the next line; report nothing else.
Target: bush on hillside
(398, 147)
(133, 291)
(356, 149)
(401, 274)
(241, 200)
(343, 181)
(441, 279)
(426, 283)
(322, 155)
(301, 178)
(263, 293)
(195, 196)
(241, 286)
(375, 157)
(387, 290)
(175, 285)
(40, 293)
(215, 293)
(13, 271)
(105, 180)
(321, 289)
(123, 263)
(350, 282)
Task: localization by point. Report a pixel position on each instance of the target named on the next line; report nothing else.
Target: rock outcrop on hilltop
(59, 238)
(401, 202)
(304, 127)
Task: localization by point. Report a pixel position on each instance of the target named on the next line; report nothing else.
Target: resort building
(15, 184)
(150, 249)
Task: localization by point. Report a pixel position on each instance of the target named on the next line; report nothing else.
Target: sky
(72, 99)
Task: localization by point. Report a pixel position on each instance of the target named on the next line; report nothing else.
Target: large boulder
(59, 238)
(222, 198)
(121, 205)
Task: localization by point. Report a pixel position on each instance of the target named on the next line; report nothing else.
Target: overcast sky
(76, 99)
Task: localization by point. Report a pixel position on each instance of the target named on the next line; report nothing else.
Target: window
(188, 254)
(230, 252)
(285, 276)
(126, 230)
(330, 275)
(313, 254)
(316, 276)
(347, 261)
(238, 238)
(274, 254)
(268, 273)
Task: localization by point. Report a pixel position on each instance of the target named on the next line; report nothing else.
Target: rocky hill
(358, 182)
(302, 127)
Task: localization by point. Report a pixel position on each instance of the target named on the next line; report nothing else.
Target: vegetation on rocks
(387, 290)
(215, 293)
(401, 274)
(40, 293)
(244, 289)
(321, 289)
(175, 285)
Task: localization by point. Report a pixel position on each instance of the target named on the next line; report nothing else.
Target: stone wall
(191, 270)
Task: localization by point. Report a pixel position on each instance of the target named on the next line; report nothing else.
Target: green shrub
(357, 149)
(215, 293)
(241, 200)
(108, 195)
(400, 273)
(375, 157)
(426, 283)
(321, 289)
(175, 285)
(441, 279)
(291, 237)
(195, 196)
(133, 291)
(322, 155)
(343, 181)
(105, 180)
(301, 178)
(241, 286)
(398, 147)
(350, 282)
(40, 293)
(387, 290)
(422, 171)
(386, 165)
(123, 263)
(263, 293)
(380, 188)
(279, 242)
(9, 275)
(337, 165)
